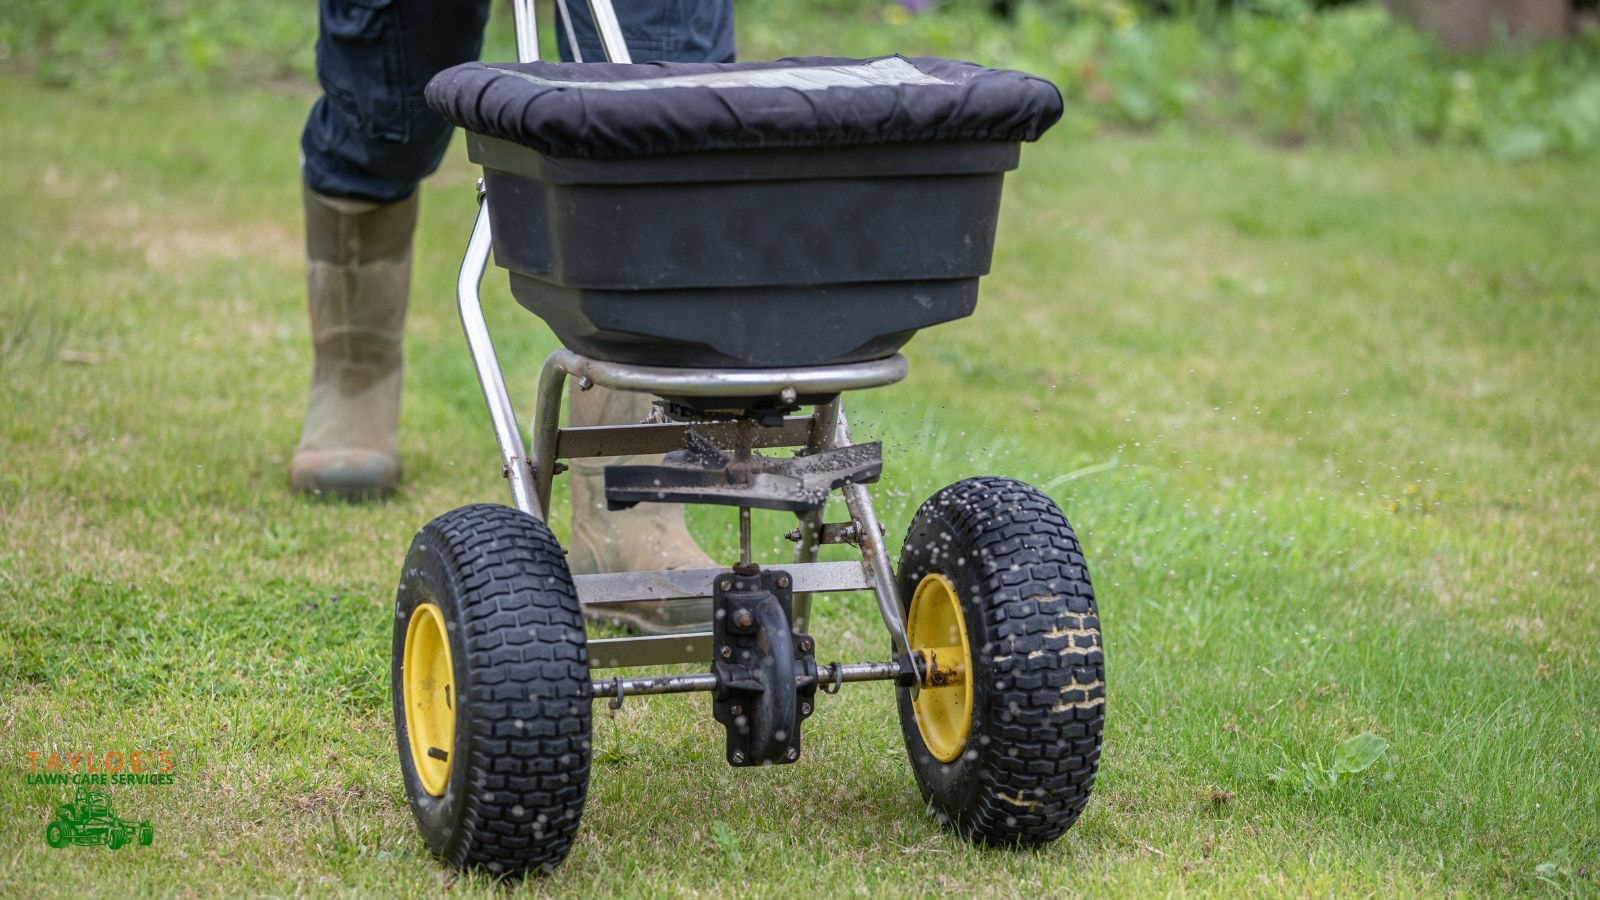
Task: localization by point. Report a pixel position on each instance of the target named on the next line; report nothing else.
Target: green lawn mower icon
(89, 819)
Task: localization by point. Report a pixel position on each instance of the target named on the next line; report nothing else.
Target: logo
(89, 819)
(114, 767)
(90, 816)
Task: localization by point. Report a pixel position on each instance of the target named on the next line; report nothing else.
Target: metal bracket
(766, 674)
(832, 533)
(705, 473)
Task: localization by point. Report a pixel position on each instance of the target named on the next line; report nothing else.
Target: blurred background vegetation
(1289, 70)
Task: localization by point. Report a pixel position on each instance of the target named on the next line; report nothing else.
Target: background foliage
(1279, 68)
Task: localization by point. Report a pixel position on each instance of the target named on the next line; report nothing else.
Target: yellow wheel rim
(428, 683)
(938, 631)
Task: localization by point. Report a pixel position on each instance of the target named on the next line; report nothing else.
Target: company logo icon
(89, 819)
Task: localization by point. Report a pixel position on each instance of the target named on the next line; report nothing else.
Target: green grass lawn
(1328, 422)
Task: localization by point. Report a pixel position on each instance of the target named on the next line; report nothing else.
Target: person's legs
(370, 136)
(358, 268)
(367, 144)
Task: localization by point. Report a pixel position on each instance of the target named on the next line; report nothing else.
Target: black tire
(57, 834)
(1037, 667)
(521, 676)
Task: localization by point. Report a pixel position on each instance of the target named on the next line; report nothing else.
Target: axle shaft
(828, 675)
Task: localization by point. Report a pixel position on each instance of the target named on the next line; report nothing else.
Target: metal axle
(829, 677)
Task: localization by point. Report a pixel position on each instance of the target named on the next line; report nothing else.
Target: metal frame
(530, 474)
(788, 383)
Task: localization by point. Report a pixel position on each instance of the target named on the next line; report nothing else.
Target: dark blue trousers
(371, 137)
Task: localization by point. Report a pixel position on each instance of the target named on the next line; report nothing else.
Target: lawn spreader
(745, 242)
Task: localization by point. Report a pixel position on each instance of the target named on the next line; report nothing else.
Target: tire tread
(527, 689)
(1039, 747)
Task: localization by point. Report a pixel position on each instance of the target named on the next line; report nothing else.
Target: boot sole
(350, 475)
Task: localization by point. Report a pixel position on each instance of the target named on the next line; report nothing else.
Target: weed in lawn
(727, 843)
(1350, 757)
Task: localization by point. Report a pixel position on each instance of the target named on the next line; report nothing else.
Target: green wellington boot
(358, 275)
(648, 536)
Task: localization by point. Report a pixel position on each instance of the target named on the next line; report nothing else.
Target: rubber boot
(358, 275)
(650, 536)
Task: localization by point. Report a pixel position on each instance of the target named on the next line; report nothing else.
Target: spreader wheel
(491, 691)
(1004, 735)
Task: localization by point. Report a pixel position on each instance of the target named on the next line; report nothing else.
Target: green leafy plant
(1351, 757)
(727, 843)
